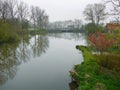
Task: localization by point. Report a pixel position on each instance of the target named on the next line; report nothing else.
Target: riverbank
(97, 71)
(9, 35)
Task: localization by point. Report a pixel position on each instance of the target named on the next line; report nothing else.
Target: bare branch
(95, 13)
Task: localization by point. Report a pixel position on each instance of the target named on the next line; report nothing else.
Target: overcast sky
(62, 9)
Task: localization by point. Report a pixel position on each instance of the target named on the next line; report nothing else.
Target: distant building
(111, 27)
(65, 25)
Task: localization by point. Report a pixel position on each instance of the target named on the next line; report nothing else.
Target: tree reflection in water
(40, 45)
(8, 62)
(12, 55)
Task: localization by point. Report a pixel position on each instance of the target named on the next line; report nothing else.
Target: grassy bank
(7, 35)
(97, 71)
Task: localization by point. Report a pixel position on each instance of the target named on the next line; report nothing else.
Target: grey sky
(62, 9)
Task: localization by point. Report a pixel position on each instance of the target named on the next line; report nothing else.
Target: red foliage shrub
(100, 41)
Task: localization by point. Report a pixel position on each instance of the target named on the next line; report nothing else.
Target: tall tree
(23, 12)
(12, 6)
(4, 10)
(95, 13)
(89, 13)
(39, 17)
(99, 12)
(33, 15)
(115, 11)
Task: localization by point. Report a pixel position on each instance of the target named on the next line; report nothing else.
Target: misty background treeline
(16, 17)
(96, 15)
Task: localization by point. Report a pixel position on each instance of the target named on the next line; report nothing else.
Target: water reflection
(8, 62)
(23, 52)
(40, 45)
(70, 36)
(50, 74)
(12, 55)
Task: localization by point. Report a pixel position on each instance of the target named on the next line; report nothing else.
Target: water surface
(40, 62)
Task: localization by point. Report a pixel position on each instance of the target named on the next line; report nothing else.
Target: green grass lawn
(97, 71)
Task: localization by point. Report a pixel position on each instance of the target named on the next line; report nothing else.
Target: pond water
(40, 62)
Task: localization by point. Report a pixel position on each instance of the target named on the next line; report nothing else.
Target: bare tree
(42, 19)
(95, 13)
(89, 13)
(12, 6)
(39, 17)
(3, 10)
(115, 11)
(23, 12)
(45, 21)
(33, 15)
(100, 14)
(17, 10)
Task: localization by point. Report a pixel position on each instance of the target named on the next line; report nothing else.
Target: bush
(7, 35)
(92, 28)
(100, 41)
